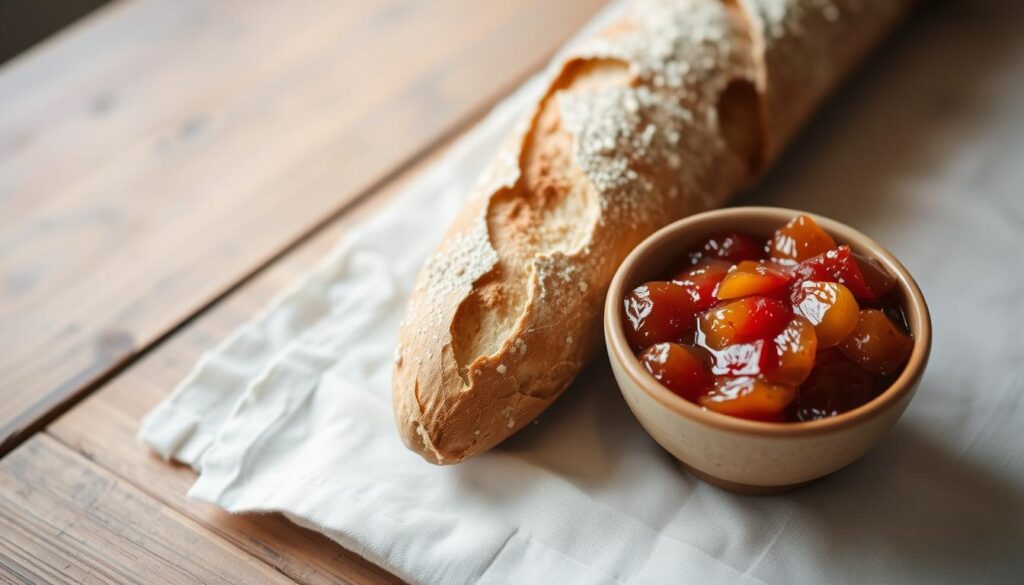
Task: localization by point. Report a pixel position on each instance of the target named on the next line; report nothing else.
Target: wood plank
(103, 426)
(68, 521)
(159, 152)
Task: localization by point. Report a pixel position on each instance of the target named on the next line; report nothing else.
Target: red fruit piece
(745, 320)
(878, 281)
(865, 279)
(894, 311)
(757, 358)
(702, 281)
(752, 278)
(657, 312)
(799, 240)
(732, 247)
(836, 385)
(680, 368)
(876, 344)
(749, 398)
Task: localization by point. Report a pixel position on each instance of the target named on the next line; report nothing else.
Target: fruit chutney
(794, 329)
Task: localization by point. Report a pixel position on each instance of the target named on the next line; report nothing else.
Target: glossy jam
(683, 370)
(744, 320)
(788, 328)
(829, 306)
(702, 280)
(753, 278)
(658, 312)
(798, 240)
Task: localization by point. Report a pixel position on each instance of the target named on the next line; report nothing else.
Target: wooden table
(165, 167)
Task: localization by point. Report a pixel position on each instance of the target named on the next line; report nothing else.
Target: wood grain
(65, 520)
(159, 152)
(103, 426)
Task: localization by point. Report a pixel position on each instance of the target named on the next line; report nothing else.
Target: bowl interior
(653, 256)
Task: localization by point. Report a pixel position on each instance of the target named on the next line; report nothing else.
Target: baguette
(667, 113)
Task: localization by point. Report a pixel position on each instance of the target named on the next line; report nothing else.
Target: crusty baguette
(666, 113)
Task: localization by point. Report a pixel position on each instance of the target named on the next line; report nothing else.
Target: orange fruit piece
(830, 307)
(796, 347)
(876, 344)
(749, 398)
(799, 240)
(752, 278)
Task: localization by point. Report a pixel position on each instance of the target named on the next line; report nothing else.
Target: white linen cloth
(925, 152)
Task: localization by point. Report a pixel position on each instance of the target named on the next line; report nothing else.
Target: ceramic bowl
(743, 455)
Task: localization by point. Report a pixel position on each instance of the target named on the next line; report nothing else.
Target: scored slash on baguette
(665, 114)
